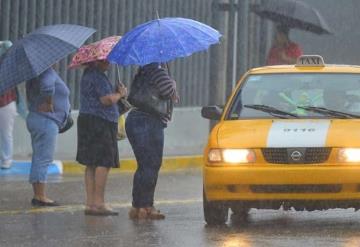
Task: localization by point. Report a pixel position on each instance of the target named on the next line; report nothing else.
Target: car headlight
(232, 156)
(349, 155)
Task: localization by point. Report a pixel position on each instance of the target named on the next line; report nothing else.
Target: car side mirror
(211, 112)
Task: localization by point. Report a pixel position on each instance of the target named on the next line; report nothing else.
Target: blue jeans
(7, 118)
(146, 136)
(43, 133)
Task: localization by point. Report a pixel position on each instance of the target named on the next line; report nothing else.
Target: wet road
(179, 197)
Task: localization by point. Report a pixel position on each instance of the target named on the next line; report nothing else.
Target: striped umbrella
(39, 50)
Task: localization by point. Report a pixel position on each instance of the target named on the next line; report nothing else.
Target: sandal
(145, 213)
(142, 214)
(38, 203)
(139, 213)
(154, 214)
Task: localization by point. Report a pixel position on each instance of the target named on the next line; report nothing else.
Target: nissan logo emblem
(296, 155)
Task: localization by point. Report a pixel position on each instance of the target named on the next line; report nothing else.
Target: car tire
(214, 213)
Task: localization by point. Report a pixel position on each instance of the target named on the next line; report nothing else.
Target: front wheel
(214, 213)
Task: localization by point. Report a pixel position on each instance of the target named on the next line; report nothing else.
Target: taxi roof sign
(310, 61)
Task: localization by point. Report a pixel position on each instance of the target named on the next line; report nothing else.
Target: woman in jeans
(97, 134)
(49, 107)
(145, 132)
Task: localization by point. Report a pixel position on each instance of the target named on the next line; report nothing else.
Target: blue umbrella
(37, 51)
(163, 40)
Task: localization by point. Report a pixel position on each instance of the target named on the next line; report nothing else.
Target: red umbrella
(94, 51)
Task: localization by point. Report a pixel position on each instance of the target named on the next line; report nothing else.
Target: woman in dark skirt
(97, 131)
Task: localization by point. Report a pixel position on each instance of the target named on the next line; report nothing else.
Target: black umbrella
(294, 14)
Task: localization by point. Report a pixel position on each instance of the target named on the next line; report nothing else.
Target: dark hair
(151, 65)
(283, 29)
(93, 64)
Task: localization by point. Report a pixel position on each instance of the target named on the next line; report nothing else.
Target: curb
(22, 167)
(127, 165)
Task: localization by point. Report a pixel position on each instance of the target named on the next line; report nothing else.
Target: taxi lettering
(310, 60)
(299, 130)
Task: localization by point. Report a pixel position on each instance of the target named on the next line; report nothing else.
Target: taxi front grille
(306, 188)
(310, 155)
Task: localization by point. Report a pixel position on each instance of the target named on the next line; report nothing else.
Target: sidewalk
(64, 167)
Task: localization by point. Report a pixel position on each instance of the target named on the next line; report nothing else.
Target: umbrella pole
(171, 102)
(157, 14)
(124, 101)
(168, 69)
(118, 75)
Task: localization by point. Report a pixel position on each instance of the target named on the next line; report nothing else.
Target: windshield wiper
(271, 110)
(325, 111)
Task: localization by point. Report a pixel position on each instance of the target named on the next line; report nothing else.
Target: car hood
(289, 133)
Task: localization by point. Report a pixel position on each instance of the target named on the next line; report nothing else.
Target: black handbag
(69, 123)
(124, 106)
(145, 96)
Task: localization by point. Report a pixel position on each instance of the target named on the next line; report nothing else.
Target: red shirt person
(7, 97)
(7, 118)
(284, 51)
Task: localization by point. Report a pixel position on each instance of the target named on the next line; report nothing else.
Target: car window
(285, 92)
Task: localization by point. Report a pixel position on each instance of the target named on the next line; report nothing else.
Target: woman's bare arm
(111, 99)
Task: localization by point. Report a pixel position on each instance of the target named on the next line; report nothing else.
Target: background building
(240, 28)
(203, 78)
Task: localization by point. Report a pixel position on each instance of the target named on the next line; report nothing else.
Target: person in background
(145, 132)
(336, 100)
(49, 107)
(7, 118)
(97, 147)
(283, 51)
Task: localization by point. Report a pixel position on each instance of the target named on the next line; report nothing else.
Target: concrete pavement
(178, 195)
(59, 167)
(22, 225)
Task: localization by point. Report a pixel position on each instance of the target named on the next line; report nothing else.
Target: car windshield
(302, 95)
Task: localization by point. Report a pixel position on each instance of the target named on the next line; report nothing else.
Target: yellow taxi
(289, 136)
